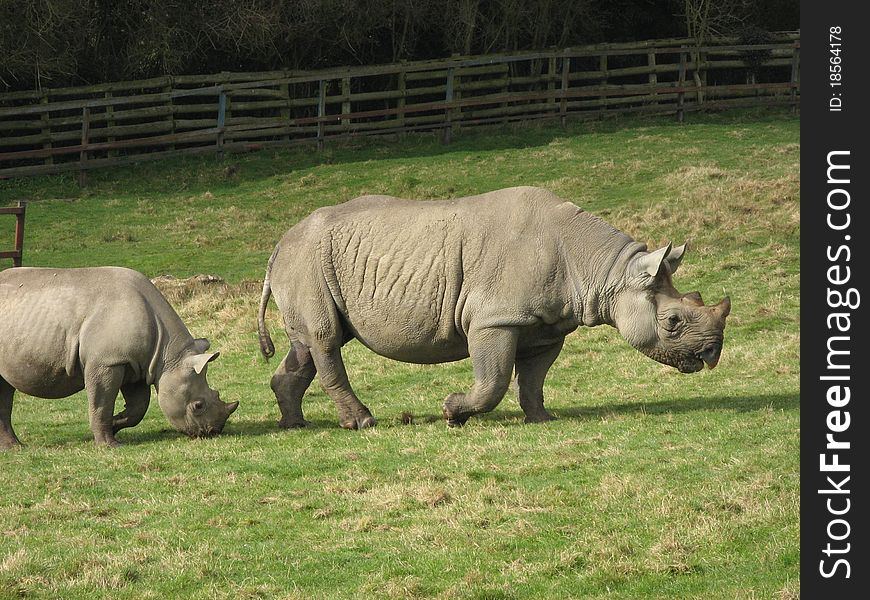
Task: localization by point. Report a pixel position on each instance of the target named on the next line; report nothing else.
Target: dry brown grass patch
(708, 200)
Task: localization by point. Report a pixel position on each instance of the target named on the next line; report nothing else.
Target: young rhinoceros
(103, 330)
(502, 277)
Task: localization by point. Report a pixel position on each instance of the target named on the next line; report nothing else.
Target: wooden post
(19, 234)
(17, 253)
(345, 102)
(702, 57)
(285, 112)
(83, 153)
(795, 74)
(551, 80)
(400, 104)
(110, 122)
(456, 113)
(229, 110)
(566, 82)
(448, 96)
(696, 76)
(46, 128)
(653, 76)
(221, 122)
(681, 82)
(510, 69)
(168, 90)
(602, 66)
(321, 112)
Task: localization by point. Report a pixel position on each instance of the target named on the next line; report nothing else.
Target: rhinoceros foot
(107, 443)
(454, 416)
(360, 422)
(540, 418)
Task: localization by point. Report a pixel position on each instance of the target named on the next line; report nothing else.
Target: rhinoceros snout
(711, 354)
(213, 425)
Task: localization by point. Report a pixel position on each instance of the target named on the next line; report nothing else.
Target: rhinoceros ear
(201, 345)
(199, 361)
(675, 257)
(651, 263)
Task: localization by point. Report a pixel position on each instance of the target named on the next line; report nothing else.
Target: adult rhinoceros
(102, 329)
(501, 277)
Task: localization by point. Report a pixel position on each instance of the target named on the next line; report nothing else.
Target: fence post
(284, 88)
(456, 113)
(551, 80)
(168, 90)
(448, 96)
(400, 104)
(653, 76)
(83, 153)
(18, 251)
(221, 121)
(110, 122)
(345, 102)
(566, 82)
(696, 76)
(19, 234)
(702, 57)
(46, 128)
(321, 112)
(602, 66)
(795, 74)
(681, 82)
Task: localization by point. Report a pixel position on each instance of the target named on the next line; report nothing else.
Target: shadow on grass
(233, 429)
(784, 402)
(241, 429)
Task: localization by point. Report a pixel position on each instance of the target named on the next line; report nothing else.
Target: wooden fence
(80, 128)
(17, 253)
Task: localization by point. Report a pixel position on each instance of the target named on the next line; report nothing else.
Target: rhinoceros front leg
(291, 379)
(137, 396)
(532, 368)
(492, 352)
(102, 385)
(352, 414)
(8, 439)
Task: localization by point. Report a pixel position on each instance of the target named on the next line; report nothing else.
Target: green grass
(651, 484)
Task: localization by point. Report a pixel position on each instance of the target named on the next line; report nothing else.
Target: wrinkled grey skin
(103, 330)
(502, 277)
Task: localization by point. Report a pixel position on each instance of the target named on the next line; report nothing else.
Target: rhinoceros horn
(723, 309)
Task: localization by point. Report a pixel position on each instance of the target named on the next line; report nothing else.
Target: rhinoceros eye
(672, 322)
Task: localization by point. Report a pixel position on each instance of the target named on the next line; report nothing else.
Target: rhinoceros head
(673, 328)
(189, 404)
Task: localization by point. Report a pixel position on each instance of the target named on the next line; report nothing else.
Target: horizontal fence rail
(86, 127)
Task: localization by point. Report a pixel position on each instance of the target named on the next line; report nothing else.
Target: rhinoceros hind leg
(492, 352)
(291, 379)
(8, 439)
(102, 385)
(531, 370)
(137, 396)
(352, 414)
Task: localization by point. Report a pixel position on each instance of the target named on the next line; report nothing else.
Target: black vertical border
(824, 131)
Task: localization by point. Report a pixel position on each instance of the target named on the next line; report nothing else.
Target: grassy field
(651, 483)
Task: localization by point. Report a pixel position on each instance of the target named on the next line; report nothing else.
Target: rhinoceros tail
(267, 348)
